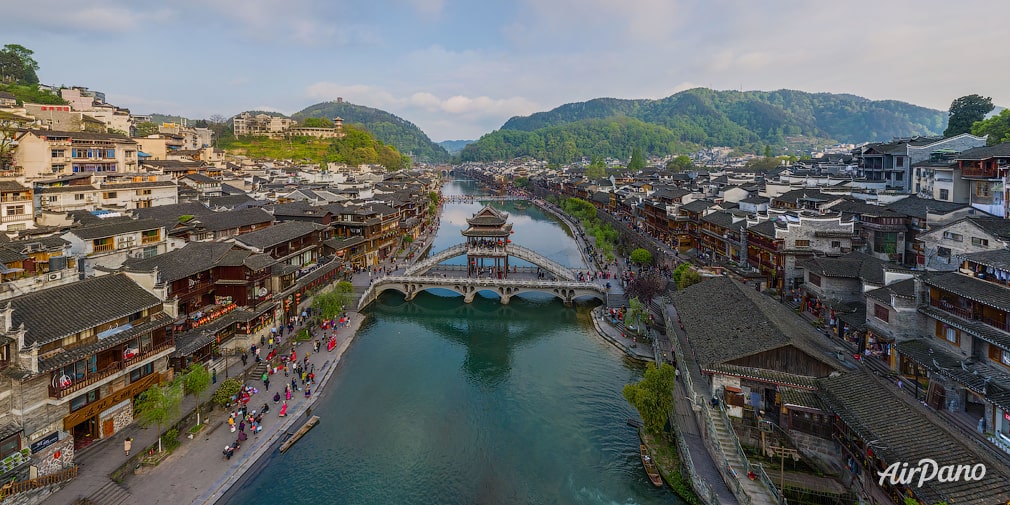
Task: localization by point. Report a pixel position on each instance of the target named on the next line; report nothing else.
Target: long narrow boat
(650, 466)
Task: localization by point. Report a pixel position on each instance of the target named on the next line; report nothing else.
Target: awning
(142, 154)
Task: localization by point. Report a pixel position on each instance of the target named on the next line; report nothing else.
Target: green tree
(996, 127)
(317, 122)
(641, 256)
(637, 162)
(637, 314)
(9, 126)
(768, 151)
(965, 111)
(17, 65)
(223, 394)
(158, 405)
(596, 168)
(195, 382)
(653, 395)
(145, 128)
(679, 271)
(330, 304)
(679, 163)
(688, 278)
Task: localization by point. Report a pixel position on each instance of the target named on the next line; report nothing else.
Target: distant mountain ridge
(455, 146)
(703, 117)
(386, 127)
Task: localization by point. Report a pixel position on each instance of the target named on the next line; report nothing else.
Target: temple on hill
(487, 240)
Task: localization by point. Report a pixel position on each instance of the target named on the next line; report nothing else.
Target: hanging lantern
(57, 454)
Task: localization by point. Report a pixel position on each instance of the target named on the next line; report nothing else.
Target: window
(881, 312)
(150, 252)
(84, 400)
(899, 161)
(945, 194)
(79, 196)
(59, 153)
(997, 355)
(802, 243)
(982, 189)
(143, 192)
(956, 237)
(835, 244)
(108, 195)
(814, 279)
(59, 168)
(10, 445)
(52, 198)
(15, 210)
(947, 333)
(141, 372)
(943, 252)
(980, 242)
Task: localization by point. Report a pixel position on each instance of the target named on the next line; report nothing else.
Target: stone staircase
(111, 494)
(754, 489)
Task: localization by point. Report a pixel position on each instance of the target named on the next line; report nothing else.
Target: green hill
(386, 127)
(702, 117)
(356, 147)
(455, 146)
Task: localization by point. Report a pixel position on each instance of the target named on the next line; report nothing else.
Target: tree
(331, 303)
(688, 278)
(596, 168)
(17, 65)
(646, 287)
(996, 127)
(317, 122)
(768, 151)
(224, 393)
(636, 163)
(653, 395)
(158, 405)
(637, 314)
(641, 256)
(145, 128)
(679, 163)
(9, 126)
(195, 382)
(965, 111)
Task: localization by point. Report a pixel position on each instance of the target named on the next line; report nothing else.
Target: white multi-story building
(43, 153)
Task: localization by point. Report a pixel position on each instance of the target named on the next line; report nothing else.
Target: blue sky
(459, 69)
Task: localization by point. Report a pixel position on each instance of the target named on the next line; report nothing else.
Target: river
(441, 402)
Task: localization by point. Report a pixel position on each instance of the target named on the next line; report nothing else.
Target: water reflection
(490, 331)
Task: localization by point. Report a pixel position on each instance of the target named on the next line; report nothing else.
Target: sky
(460, 68)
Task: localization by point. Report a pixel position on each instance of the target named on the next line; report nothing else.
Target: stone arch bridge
(554, 268)
(411, 285)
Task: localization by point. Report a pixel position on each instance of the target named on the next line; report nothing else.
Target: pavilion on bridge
(487, 239)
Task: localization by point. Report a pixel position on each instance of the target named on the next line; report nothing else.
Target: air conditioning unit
(55, 276)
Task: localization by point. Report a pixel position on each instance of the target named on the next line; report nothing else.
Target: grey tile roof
(8, 186)
(763, 375)
(915, 206)
(169, 214)
(68, 357)
(803, 398)
(102, 230)
(985, 152)
(57, 312)
(338, 243)
(992, 382)
(999, 227)
(135, 185)
(231, 219)
(872, 411)
(996, 258)
(748, 323)
(971, 288)
(904, 289)
(278, 233)
(194, 258)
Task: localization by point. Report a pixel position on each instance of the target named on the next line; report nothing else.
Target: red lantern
(56, 455)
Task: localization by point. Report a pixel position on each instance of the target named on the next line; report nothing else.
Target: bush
(224, 393)
(170, 440)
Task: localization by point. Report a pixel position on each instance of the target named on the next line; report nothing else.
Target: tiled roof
(194, 258)
(903, 289)
(85, 135)
(227, 220)
(114, 228)
(54, 313)
(971, 288)
(278, 233)
(985, 152)
(915, 206)
(697, 206)
(996, 258)
(65, 358)
(337, 243)
(803, 398)
(872, 411)
(135, 185)
(748, 323)
(992, 382)
(999, 227)
(763, 375)
(8, 186)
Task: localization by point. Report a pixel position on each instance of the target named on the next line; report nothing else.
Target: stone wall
(825, 453)
(47, 461)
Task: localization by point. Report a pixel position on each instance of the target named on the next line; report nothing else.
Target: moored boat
(650, 466)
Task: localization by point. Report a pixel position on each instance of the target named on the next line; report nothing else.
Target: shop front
(1001, 429)
(101, 412)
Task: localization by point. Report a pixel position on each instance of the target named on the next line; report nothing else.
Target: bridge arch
(410, 286)
(560, 271)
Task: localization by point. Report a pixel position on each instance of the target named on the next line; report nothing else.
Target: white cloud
(99, 16)
(428, 8)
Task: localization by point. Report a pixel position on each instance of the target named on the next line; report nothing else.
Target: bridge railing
(534, 257)
(488, 282)
(436, 258)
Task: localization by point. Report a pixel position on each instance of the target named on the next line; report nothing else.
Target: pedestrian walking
(127, 445)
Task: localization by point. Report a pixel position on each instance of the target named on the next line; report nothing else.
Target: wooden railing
(14, 488)
(103, 247)
(93, 377)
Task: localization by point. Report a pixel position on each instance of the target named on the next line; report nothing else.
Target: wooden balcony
(100, 248)
(970, 315)
(15, 218)
(979, 173)
(91, 378)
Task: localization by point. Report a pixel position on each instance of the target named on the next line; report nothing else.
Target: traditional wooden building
(487, 243)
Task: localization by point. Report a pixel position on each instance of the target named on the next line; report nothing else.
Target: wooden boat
(650, 466)
(635, 423)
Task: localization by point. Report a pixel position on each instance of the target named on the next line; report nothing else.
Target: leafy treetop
(965, 111)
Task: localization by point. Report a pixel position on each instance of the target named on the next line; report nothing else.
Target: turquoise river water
(441, 402)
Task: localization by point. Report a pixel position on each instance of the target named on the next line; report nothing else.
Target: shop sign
(46, 442)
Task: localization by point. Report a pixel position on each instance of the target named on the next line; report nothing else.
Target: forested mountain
(386, 127)
(702, 117)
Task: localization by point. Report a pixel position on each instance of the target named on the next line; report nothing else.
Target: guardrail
(14, 488)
